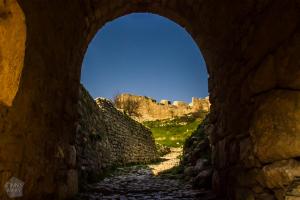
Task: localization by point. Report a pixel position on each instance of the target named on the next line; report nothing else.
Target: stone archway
(251, 50)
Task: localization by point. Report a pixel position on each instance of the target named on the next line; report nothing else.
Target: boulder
(203, 179)
(281, 174)
(276, 126)
(201, 164)
(189, 171)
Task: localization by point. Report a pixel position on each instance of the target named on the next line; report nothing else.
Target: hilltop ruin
(150, 109)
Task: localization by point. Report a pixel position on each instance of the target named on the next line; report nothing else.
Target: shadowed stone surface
(251, 49)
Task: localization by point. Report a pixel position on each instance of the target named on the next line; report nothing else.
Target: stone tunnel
(251, 49)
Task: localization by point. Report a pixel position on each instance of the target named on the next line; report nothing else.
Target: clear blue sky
(144, 54)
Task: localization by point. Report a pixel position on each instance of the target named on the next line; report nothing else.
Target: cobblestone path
(141, 182)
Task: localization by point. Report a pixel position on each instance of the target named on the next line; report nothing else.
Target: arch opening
(136, 61)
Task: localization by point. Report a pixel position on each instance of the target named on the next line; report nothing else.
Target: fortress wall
(150, 110)
(106, 137)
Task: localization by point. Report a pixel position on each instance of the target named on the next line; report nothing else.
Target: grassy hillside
(173, 132)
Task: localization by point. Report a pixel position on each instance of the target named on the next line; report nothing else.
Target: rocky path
(142, 182)
(170, 160)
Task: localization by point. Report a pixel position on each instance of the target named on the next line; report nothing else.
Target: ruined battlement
(150, 109)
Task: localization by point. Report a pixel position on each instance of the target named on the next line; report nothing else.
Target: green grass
(174, 132)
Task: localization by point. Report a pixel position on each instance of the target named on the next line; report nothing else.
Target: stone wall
(149, 109)
(200, 103)
(196, 159)
(105, 137)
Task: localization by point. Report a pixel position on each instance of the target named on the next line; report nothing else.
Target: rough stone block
(244, 194)
(276, 126)
(72, 182)
(12, 43)
(281, 174)
(264, 78)
(71, 156)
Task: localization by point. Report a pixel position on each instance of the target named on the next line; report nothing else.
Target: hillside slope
(173, 132)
